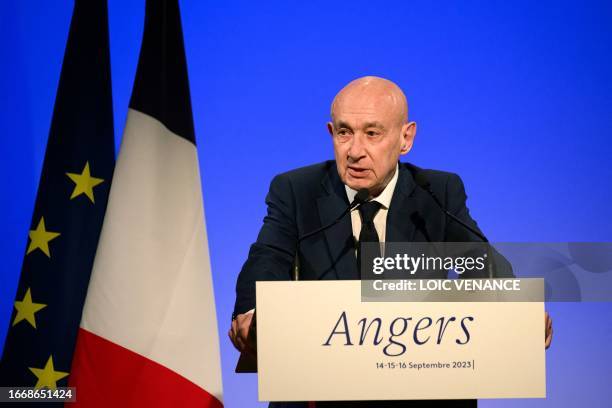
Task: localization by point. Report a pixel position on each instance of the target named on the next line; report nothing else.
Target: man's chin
(357, 184)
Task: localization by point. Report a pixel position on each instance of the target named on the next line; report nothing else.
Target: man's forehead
(365, 107)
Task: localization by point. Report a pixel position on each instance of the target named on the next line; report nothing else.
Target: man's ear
(408, 134)
(330, 128)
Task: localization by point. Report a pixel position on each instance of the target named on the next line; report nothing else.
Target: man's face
(369, 135)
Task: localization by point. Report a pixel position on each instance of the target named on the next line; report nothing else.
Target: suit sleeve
(456, 199)
(271, 256)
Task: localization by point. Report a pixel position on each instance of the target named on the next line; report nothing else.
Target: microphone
(360, 198)
(422, 181)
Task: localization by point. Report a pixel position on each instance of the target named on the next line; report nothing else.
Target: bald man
(370, 130)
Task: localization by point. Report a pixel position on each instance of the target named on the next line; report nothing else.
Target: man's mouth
(357, 171)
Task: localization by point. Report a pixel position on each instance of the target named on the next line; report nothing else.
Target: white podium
(321, 341)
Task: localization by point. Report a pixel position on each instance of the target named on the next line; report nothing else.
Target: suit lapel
(400, 225)
(339, 238)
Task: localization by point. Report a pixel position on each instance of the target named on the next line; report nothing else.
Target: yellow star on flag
(47, 377)
(84, 183)
(40, 237)
(26, 309)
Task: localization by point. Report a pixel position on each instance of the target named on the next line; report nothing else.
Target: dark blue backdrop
(514, 96)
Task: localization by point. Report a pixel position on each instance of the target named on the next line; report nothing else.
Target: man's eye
(372, 133)
(343, 132)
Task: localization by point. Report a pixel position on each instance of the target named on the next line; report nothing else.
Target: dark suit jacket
(304, 199)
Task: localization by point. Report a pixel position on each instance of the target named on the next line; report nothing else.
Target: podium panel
(318, 341)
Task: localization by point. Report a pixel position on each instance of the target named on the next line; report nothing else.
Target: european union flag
(69, 210)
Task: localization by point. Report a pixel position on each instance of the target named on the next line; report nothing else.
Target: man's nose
(357, 148)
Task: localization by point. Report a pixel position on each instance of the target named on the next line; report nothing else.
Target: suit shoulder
(435, 177)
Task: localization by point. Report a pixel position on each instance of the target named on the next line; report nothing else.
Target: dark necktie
(368, 211)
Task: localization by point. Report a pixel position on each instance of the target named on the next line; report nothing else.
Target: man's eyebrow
(373, 124)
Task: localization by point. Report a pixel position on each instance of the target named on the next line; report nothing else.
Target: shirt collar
(383, 198)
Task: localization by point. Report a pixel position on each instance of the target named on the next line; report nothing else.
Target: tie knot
(368, 211)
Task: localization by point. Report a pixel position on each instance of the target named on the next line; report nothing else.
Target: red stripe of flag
(145, 383)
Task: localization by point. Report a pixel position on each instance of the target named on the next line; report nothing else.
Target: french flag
(148, 334)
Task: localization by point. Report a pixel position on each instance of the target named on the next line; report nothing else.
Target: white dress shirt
(380, 219)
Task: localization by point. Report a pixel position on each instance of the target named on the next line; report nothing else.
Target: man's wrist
(247, 312)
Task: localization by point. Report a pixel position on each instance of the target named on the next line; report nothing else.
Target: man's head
(370, 129)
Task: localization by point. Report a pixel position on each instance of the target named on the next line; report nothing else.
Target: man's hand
(239, 333)
(548, 330)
